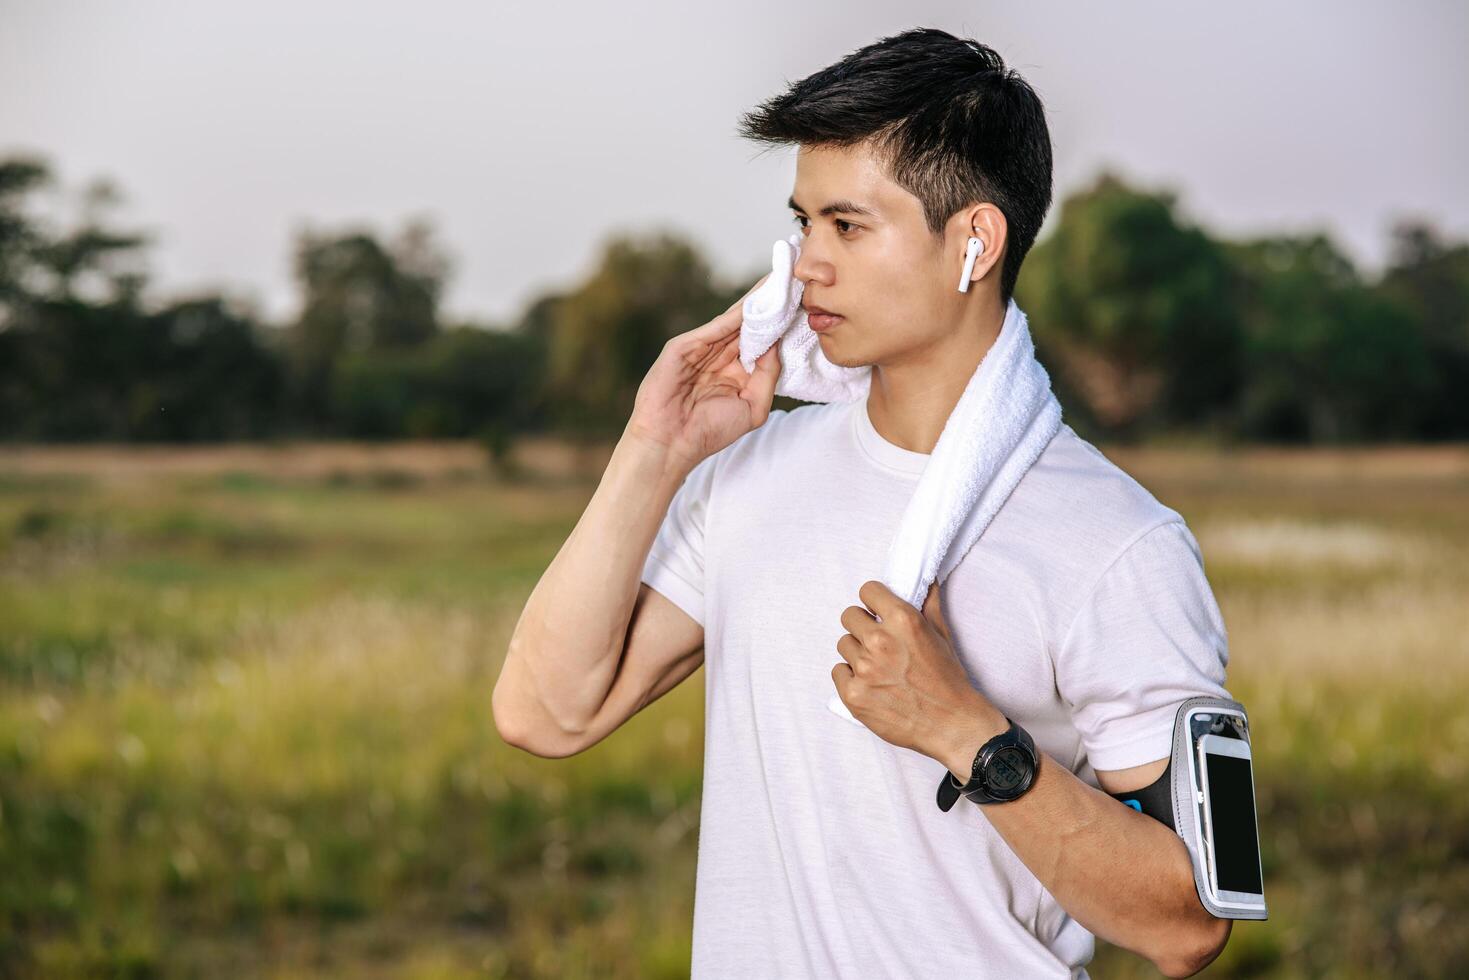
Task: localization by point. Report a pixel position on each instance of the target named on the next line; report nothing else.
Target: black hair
(950, 122)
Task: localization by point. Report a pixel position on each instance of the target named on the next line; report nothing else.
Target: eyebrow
(842, 206)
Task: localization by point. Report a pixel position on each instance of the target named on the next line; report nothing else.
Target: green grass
(245, 730)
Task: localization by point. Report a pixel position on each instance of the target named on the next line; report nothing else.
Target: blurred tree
(79, 356)
(1430, 277)
(1329, 359)
(359, 295)
(468, 381)
(539, 316)
(1136, 309)
(91, 261)
(219, 380)
(195, 370)
(71, 369)
(1145, 324)
(20, 238)
(71, 328)
(604, 335)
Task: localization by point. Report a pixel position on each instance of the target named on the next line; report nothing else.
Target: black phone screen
(1232, 809)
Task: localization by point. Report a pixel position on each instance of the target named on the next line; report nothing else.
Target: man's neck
(911, 397)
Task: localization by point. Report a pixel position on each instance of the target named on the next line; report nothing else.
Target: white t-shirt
(1082, 613)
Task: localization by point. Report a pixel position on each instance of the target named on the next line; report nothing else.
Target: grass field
(245, 727)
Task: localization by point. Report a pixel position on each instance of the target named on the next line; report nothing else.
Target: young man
(728, 534)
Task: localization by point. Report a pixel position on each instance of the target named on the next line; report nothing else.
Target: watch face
(1008, 772)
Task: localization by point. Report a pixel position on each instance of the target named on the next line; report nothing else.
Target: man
(729, 535)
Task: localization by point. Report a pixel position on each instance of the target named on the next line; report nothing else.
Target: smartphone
(1231, 832)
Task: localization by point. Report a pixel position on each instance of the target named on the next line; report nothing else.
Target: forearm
(1123, 875)
(564, 651)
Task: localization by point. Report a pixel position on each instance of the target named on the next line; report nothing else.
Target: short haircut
(950, 123)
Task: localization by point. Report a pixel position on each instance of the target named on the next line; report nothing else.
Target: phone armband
(1225, 851)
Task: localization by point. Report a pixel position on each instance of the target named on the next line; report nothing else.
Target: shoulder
(1085, 502)
(1073, 517)
(1132, 624)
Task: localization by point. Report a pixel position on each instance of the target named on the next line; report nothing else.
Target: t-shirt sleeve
(1147, 638)
(675, 564)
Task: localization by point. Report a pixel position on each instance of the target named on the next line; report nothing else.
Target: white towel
(774, 312)
(1003, 421)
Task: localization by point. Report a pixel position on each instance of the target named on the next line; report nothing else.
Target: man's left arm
(1149, 637)
(1121, 874)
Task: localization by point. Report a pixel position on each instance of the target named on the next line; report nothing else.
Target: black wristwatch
(1004, 768)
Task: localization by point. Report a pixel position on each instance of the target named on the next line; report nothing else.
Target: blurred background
(317, 322)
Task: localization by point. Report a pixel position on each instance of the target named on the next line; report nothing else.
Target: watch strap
(949, 792)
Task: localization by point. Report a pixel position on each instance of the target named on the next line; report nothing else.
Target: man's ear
(987, 223)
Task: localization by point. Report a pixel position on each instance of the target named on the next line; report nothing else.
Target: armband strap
(1155, 799)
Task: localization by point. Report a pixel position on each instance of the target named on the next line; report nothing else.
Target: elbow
(558, 746)
(556, 750)
(512, 736)
(502, 713)
(523, 722)
(1190, 936)
(1204, 944)
(517, 732)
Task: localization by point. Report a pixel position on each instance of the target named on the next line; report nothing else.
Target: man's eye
(842, 226)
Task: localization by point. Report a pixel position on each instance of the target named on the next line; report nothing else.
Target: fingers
(727, 322)
(883, 602)
(759, 391)
(728, 348)
(718, 328)
(850, 649)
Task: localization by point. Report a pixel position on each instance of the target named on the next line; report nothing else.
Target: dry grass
(245, 731)
(427, 460)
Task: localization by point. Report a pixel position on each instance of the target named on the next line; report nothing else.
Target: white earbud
(975, 247)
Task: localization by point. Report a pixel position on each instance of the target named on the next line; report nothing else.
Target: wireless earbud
(975, 247)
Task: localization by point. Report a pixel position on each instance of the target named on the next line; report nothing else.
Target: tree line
(1148, 324)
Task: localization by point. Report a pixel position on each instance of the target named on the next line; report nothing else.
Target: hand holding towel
(773, 313)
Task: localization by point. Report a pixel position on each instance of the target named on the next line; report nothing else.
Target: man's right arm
(594, 645)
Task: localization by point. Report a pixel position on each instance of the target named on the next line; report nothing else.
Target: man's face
(883, 272)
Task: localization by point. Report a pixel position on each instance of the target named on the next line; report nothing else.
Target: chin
(837, 359)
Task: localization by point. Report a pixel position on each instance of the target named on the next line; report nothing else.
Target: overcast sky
(529, 131)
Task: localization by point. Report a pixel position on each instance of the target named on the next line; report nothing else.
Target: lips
(818, 319)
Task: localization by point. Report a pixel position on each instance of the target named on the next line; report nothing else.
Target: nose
(810, 265)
